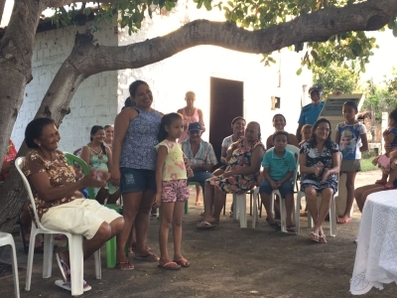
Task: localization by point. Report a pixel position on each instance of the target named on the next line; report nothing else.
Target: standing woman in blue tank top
(135, 135)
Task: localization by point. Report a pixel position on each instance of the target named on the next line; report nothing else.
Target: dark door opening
(226, 102)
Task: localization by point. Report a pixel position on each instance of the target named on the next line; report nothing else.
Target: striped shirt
(205, 155)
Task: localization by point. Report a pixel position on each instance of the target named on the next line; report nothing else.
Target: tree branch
(317, 26)
(59, 3)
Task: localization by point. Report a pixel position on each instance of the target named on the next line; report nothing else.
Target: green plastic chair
(111, 243)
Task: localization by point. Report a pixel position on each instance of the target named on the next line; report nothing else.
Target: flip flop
(205, 225)
(124, 266)
(314, 236)
(68, 286)
(274, 225)
(322, 239)
(182, 262)
(291, 229)
(170, 266)
(380, 182)
(150, 257)
(63, 267)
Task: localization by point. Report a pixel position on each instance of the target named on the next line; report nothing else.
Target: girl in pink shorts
(172, 189)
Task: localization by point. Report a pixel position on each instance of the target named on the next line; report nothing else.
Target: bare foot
(199, 203)
(344, 219)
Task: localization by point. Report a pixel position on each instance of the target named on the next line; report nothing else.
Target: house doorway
(226, 102)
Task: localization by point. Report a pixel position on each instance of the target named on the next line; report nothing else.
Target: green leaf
(87, 11)
(299, 71)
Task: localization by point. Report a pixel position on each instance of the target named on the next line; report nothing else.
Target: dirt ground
(225, 262)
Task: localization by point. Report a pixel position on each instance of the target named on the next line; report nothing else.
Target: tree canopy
(329, 31)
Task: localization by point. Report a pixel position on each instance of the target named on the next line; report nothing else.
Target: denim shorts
(135, 180)
(285, 188)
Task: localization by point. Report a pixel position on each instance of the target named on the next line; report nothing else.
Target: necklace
(97, 153)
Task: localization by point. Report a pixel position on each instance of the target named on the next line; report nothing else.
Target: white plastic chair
(283, 211)
(331, 213)
(240, 210)
(7, 239)
(75, 244)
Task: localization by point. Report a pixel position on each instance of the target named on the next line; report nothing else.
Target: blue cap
(195, 126)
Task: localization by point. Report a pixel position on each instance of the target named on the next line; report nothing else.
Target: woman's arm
(307, 170)
(85, 155)
(337, 137)
(388, 140)
(293, 140)
(110, 157)
(336, 160)
(121, 125)
(256, 160)
(223, 155)
(46, 192)
(269, 142)
(162, 153)
(201, 120)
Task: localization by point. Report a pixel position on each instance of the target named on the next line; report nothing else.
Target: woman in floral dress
(319, 165)
(244, 162)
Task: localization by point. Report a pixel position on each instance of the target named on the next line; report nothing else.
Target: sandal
(182, 262)
(124, 266)
(380, 182)
(314, 236)
(291, 229)
(169, 266)
(322, 239)
(275, 225)
(63, 267)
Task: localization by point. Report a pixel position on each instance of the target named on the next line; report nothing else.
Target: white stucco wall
(100, 97)
(95, 102)
(192, 69)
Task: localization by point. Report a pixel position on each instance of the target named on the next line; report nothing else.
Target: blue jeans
(285, 188)
(200, 177)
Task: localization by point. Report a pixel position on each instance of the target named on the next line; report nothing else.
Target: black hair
(235, 119)
(285, 120)
(94, 130)
(328, 141)
(34, 130)
(350, 103)
(280, 133)
(167, 121)
(134, 87)
(393, 115)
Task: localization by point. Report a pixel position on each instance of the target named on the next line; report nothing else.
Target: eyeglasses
(323, 129)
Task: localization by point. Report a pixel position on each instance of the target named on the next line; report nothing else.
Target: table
(376, 255)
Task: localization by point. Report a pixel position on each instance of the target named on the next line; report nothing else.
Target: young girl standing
(172, 189)
(351, 158)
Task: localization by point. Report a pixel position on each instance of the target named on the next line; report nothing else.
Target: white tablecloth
(376, 255)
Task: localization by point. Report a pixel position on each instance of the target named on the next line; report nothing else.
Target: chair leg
(332, 218)
(7, 239)
(97, 260)
(76, 264)
(48, 255)
(240, 198)
(235, 207)
(29, 265)
(297, 211)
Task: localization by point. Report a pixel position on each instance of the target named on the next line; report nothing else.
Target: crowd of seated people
(123, 160)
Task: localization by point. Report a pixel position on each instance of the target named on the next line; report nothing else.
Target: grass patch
(366, 164)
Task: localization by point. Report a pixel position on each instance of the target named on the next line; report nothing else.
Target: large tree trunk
(2, 4)
(16, 50)
(87, 59)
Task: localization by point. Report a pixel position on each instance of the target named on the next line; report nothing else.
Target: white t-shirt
(227, 142)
